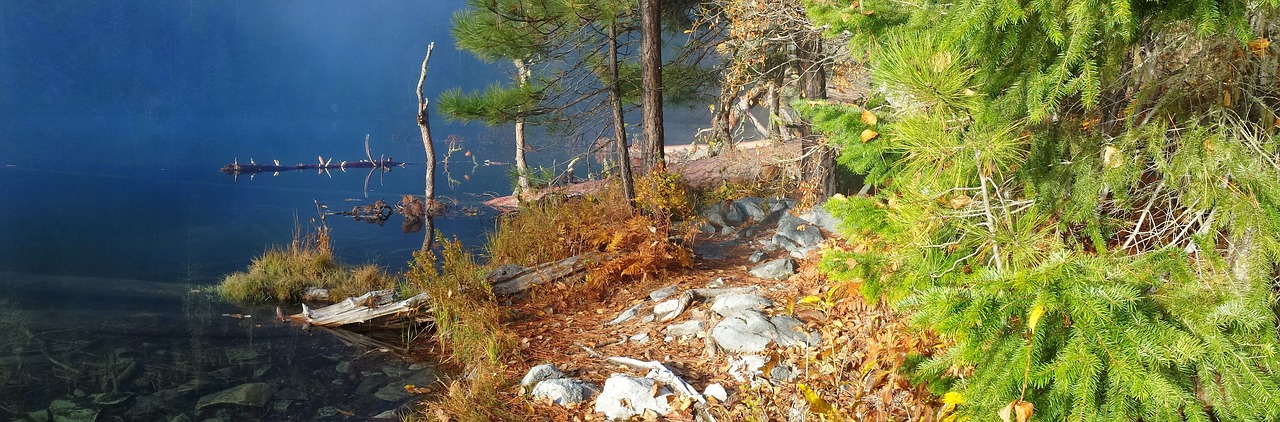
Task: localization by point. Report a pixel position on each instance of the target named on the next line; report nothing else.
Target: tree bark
(619, 125)
(651, 83)
(818, 162)
(424, 125)
(522, 168)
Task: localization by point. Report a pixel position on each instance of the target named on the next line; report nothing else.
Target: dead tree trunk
(424, 124)
(522, 168)
(817, 164)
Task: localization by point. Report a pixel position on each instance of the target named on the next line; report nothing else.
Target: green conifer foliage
(1101, 245)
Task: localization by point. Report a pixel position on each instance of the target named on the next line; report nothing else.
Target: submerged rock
(65, 410)
(254, 394)
(111, 399)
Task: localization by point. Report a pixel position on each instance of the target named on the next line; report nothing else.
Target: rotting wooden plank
(379, 304)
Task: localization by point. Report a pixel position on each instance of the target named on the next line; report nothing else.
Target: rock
(111, 399)
(393, 392)
(663, 293)
(717, 283)
(778, 269)
(640, 338)
(41, 415)
(541, 373)
(783, 373)
(281, 406)
(715, 216)
(756, 257)
(791, 332)
(65, 410)
(254, 394)
(565, 391)
(395, 371)
(290, 393)
(734, 215)
(711, 251)
(716, 391)
(745, 332)
(752, 208)
(747, 368)
(327, 412)
(667, 307)
(686, 329)
(820, 217)
(795, 234)
(625, 396)
(370, 384)
(343, 367)
(732, 304)
(388, 414)
(181, 418)
(240, 355)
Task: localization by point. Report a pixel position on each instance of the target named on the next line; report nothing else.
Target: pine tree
(1093, 220)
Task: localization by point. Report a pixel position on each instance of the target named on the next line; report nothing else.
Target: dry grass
(281, 275)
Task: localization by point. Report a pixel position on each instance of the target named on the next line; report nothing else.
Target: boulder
(625, 396)
(747, 331)
(753, 208)
(778, 269)
(565, 391)
(791, 332)
(541, 373)
(797, 235)
(820, 217)
(732, 304)
(254, 394)
(663, 293)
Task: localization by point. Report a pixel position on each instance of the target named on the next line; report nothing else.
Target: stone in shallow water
(111, 399)
(254, 394)
(64, 410)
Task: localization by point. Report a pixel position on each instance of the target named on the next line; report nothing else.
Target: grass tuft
(282, 275)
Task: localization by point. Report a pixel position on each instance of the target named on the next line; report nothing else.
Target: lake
(115, 223)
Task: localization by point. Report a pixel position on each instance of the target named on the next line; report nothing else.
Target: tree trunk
(424, 125)
(522, 168)
(651, 83)
(619, 125)
(818, 162)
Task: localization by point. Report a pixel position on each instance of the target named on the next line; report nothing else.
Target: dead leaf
(1036, 313)
(868, 134)
(816, 404)
(1226, 98)
(960, 201)
(1018, 410)
(1259, 46)
(868, 117)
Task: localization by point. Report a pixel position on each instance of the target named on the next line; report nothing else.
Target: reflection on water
(82, 348)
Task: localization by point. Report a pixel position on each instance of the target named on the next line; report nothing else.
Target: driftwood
(519, 280)
(660, 373)
(237, 167)
(377, 308)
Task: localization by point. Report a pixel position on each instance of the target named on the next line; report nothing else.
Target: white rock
(747, 368)
(626, 396)
(733, 304)
(564, 391)
(716, 391)
(687, 328)
(540, 373)
(663, 293)
(664, 308)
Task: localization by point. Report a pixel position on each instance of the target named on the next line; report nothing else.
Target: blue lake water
(114, 222)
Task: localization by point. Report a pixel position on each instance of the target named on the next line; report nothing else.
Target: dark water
(114, 222)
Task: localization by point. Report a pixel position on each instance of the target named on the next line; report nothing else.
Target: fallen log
(745, 163)
(378, 308)
(512, 282)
